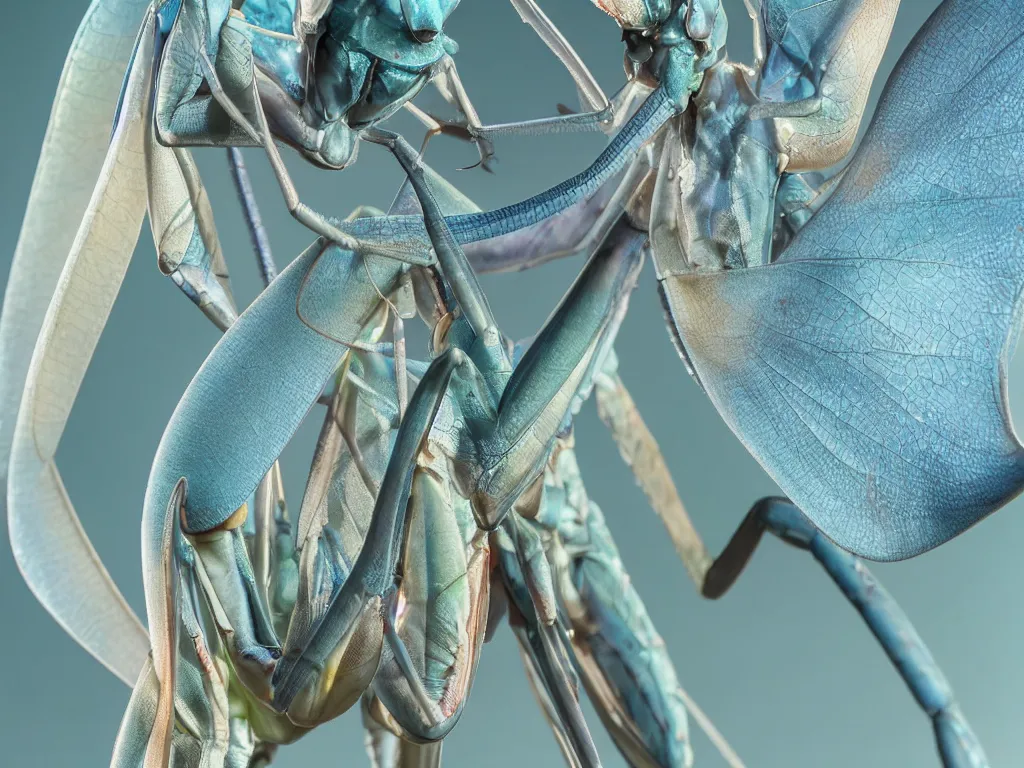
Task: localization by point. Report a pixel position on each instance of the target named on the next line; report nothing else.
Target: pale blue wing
(865, 369)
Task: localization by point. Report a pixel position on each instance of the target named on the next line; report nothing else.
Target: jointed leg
(448, 83)
(591, 96)
(450, 257)
(580, 230)
(957, 744)
(528, 584)
(246, 196)
(373, 572)
(301, 212)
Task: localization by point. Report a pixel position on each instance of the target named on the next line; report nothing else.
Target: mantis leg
(301, 212)
(179, 712)
(606, 117)
(532, 408)
(184, 232)
(449, 84)
(364, 591)
(386, 750)
(451, 259)
(599, 115)
(433, 648)
(471, 227)
(540, 692)
(656, 110)
(226, 572)
(528, 584)
(581, 230)
(147, 730)
(591, 96)
(42, 518)
(275, 570)
(253, 220)
(957, 744)
(139, 721)
(545, 384)
(576, 122)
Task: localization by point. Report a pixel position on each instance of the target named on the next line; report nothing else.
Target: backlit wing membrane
(865, 368)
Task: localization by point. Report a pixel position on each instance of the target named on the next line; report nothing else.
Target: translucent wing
(51, 548)
(865, 369)
(72, 155)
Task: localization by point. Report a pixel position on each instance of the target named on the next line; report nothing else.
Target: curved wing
(865, 369)
(50, 546)
(73, 153)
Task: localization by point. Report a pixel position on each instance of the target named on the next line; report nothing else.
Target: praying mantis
(808, 368)
(150, 69)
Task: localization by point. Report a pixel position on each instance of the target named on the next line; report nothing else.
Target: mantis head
(669, 41)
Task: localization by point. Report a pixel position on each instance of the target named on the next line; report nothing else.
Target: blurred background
(782, 664)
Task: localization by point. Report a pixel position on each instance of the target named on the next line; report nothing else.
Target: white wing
(52, 551)
(72, 155)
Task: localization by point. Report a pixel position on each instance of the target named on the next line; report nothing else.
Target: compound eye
(424, 35)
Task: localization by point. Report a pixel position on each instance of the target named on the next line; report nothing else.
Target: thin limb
(429, 709)
(541, 643)
(450, 256)
(714, 735)
(433, 126)
(592, 98)
(449, 84)
(560, 236)
(958, 746)
(640, 452)
(606, 119)
(260, 241)
(373, 572)
(299, 210)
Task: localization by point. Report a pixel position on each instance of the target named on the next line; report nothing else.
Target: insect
(171, 52)
(353, 223)
(809, 349)
(39, 511)
(493, 461)
(800, 196)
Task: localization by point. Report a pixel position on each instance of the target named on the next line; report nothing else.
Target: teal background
(782, 664)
